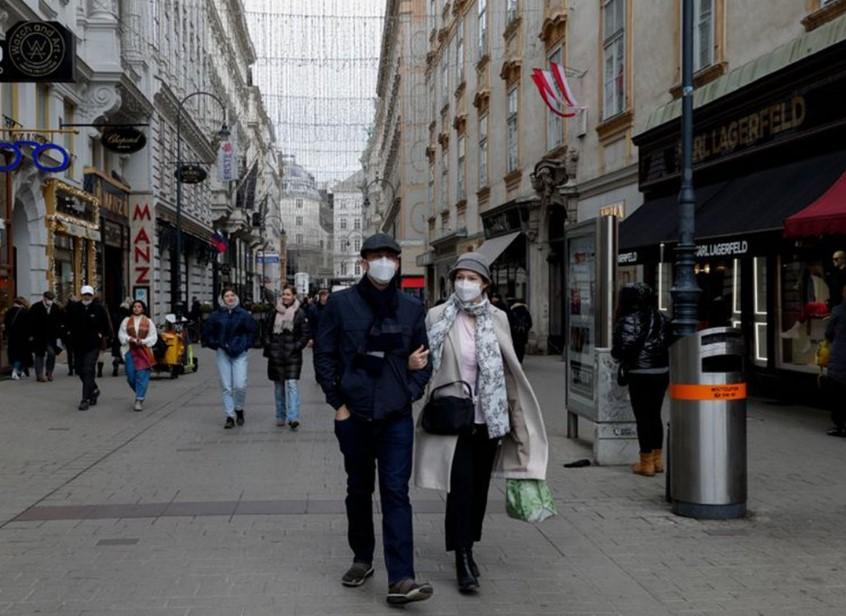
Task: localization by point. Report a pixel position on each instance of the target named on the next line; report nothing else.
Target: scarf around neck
(492, 392)
(284, 320)
(383, 302)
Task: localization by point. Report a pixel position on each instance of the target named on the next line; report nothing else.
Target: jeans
(470, 478)
(85, 364)
(287, 400)
(388, 442)
(646, 392)
(138, 380)
(233, 381)
(48, 358)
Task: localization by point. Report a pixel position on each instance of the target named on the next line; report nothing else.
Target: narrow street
(110, 512)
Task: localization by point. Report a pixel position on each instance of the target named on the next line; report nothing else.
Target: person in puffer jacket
(231, 331)
(641, 345)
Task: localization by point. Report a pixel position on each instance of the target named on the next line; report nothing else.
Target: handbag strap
(465, 383)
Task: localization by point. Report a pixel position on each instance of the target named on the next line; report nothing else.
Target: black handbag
(449, 415)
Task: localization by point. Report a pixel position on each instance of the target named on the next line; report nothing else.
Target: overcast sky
(317, 67)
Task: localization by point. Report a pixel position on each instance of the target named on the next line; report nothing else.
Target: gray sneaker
(407, 591)
(139, 406)
(357, 574)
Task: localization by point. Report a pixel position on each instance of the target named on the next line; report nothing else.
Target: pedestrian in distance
(520, 328)
(46, 327)
(473, 356)
(315, 310)
(230, 331)
(195, 316)
(137, 335)
(286, 333)
(835, 380)
(641, 342)
(117, 317)
(89, 328)
(16, 327)
(367, 333)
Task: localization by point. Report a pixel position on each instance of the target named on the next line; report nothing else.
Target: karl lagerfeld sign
(38, 51)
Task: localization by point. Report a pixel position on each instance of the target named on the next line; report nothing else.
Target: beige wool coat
(524, 451)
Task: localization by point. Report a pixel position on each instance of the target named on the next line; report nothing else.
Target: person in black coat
(641, 344)
(286, 333)
(46, 327)
(521, 325)
(366, 335)
(16, 327)
(90, 329)
(835, 380)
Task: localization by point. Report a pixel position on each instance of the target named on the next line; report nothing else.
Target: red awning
(825, 216)
(413, 282)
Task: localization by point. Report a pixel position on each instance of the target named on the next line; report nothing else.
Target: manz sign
(142, 232)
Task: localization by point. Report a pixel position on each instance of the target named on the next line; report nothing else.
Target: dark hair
(226, 290)
(634, 297)
(48, 295)
(289, 287)
(138, 301)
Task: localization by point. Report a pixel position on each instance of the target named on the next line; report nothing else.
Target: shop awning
(825, 216)
(495, 246)
(755, 202)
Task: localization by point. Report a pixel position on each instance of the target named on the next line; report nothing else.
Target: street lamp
(223, 133)
(366, 203)
(686, 292)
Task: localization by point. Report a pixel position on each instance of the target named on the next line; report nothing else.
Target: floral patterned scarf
(492, 391)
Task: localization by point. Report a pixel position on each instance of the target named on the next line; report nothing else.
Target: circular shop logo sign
(36, 49)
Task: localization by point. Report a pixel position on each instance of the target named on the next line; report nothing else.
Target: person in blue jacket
(231, 331)
(366, 335)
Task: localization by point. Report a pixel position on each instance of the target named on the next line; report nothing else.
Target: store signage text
(38, 149)
(38, 51)
(141, 229)
(191, 174)
(618, 210)
(627, 258)
(226, 162)
(750, 129)
(123, 139)
(723, 249)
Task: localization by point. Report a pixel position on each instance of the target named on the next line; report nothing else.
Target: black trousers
(646, 392)
(470, 479)
(85, 364)
(836, 395)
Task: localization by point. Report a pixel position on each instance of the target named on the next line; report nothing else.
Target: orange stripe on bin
(731, 391)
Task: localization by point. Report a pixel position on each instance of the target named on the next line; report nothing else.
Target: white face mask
(381, 270)
(467, 290)
(87, 302)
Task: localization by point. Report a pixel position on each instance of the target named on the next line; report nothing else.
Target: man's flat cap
(380, 241)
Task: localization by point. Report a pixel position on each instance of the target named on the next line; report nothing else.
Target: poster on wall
(581, 287)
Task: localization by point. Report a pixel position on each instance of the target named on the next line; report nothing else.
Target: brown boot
(645, 467)
(657, 460)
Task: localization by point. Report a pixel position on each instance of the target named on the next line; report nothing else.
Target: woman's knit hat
(474, 262)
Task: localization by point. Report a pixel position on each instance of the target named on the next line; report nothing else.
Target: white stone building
(349, 233)
(300, 207)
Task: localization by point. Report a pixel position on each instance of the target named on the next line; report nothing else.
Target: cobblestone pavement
(111, 512)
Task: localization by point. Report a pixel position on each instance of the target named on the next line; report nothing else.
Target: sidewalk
(111, 512)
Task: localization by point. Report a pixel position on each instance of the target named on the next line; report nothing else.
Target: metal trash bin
(708, 421)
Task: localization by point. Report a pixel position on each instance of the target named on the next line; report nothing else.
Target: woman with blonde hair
(473, 357)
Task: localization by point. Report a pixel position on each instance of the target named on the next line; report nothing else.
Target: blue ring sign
(37, 150)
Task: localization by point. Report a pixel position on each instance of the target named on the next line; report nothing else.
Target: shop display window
(761, 300)
(805, 298)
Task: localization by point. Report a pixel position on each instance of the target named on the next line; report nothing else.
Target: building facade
(307, 238)
(349, 220)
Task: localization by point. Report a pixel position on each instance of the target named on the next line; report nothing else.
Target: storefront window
(63, 267)
(760, 306)
(805, 297)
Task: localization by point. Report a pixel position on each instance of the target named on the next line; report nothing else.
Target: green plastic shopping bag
(529, 500)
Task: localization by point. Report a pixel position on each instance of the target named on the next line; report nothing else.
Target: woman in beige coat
(470, 341)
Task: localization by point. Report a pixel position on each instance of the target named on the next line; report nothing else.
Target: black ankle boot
(474, 568)
(467, 582)
(99, 370)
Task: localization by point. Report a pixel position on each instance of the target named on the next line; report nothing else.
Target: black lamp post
(686, 292)
(223, 133)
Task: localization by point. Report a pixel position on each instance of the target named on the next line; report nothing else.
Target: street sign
(267, 258)
(38, 51)
(191, 173)
(123, 139)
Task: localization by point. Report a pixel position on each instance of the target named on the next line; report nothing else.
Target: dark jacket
(340, 359)
(89, 326)
(835, 333)
(233, 331)
(315, 311)
(642, 340)
(521, 323)
(16, 330)
(45, 329)
(284, 352)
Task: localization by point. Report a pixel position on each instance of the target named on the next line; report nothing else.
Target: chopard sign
(38, 51)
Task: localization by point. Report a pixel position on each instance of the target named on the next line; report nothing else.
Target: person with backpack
(641, 344)
(520, 327)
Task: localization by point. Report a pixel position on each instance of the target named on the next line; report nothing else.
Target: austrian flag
(555, 91)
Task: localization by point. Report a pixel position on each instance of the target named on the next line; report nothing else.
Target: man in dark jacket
(366, 335)
(46, 326)
(89, 327)
(521, 325)
(835, 333)
(315, 310)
